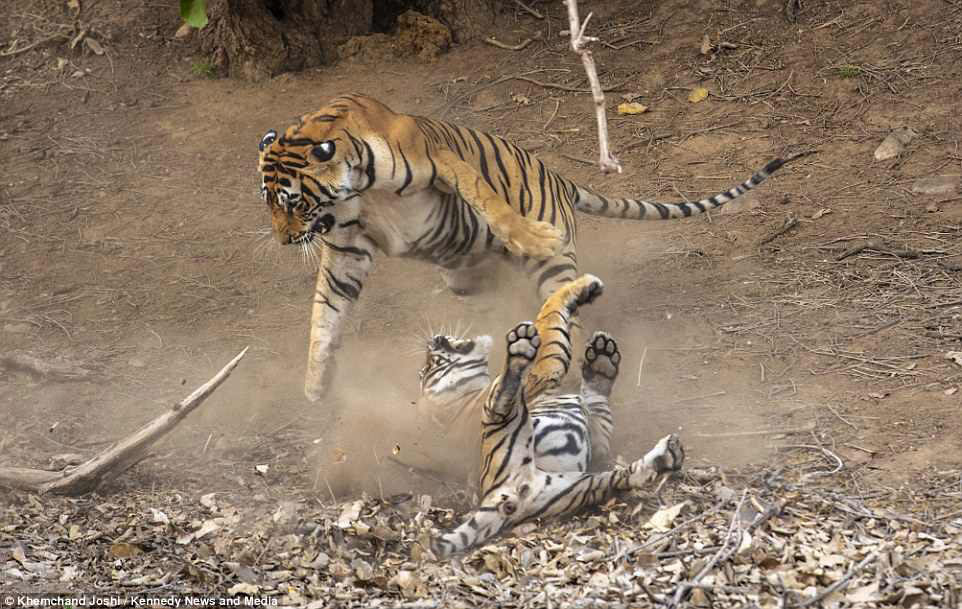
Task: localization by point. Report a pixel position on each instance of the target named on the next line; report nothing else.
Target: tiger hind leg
(599, 370)
(556, 321)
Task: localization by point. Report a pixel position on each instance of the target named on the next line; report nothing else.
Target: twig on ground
(879, 246)
(699, 397)
(579, 44)
(508, 47)
(838, 460)
(840, 583)
(723, 554)
(760, 432)
(841, 418)
(790, 223)
(641, 364)
(528, 9)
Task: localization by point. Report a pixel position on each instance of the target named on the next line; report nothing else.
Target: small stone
(183, 31)
(936, 185)
(17, 328)
(932, 208)
(741, 204)
(136, 362)
(894, 144)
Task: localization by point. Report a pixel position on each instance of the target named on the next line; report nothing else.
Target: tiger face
(311, 177)
(455, 366)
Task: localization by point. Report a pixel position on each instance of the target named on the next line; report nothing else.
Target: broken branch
(579, 44)
(119, 457)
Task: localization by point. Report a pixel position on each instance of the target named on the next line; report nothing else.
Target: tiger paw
(600, 366)
(668, 455)
(584, 290)
(523, 343)
(525, 237)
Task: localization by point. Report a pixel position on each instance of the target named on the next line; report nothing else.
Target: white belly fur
(394, 222)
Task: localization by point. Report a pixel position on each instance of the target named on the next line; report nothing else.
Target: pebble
(936, 185)
(894, 144)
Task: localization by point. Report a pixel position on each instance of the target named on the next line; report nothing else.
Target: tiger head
(313, 173)
(455, 366)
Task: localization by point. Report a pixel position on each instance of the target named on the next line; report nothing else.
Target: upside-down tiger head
(454, 366)
(313, 173)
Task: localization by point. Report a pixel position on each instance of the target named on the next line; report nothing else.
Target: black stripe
(408, 175)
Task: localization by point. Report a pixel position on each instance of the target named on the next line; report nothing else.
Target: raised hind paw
(523, 343)
(668, 455)
(600, 366)
(533, 238)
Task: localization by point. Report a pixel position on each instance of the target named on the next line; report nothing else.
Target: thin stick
(725, 552)
(699, 397)
(761, 432)
(790, 223)
(508, 47)
(840, 583)
(528, 9)
(579, 43)
(641, 364)
(841, 418)
(827, 453)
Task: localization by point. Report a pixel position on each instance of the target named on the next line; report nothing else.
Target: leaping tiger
(534, 458)
(356, 177)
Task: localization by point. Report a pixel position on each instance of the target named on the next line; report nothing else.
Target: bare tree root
(118, 458)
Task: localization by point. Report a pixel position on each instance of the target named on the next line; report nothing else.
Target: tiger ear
(522, 236)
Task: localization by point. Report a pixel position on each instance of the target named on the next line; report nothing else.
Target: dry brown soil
(133, 242)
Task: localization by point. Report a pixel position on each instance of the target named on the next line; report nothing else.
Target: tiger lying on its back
(356, 177)
(573, 431)
(534, 460)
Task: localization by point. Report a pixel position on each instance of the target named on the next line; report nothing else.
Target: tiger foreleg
(522, 236)
(522, 344)
(555, 323)
(344, 266)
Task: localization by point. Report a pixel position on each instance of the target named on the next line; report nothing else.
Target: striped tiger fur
(572, 431)
(355, 177)
(524, 475)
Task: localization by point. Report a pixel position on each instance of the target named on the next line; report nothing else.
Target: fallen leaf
(698, 94)
(159, 516)
(822, 212)
(661, 520)
(243, 589)
(184, 30)
(706, 45)
(208, 501)
(209, 526)
(94, 46)
(125, 550)
(631, 108)
(349, 514)
(74, 5)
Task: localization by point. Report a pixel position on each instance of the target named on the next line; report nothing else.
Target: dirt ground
(133, 243)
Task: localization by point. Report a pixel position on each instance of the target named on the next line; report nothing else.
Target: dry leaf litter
(710, 539)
